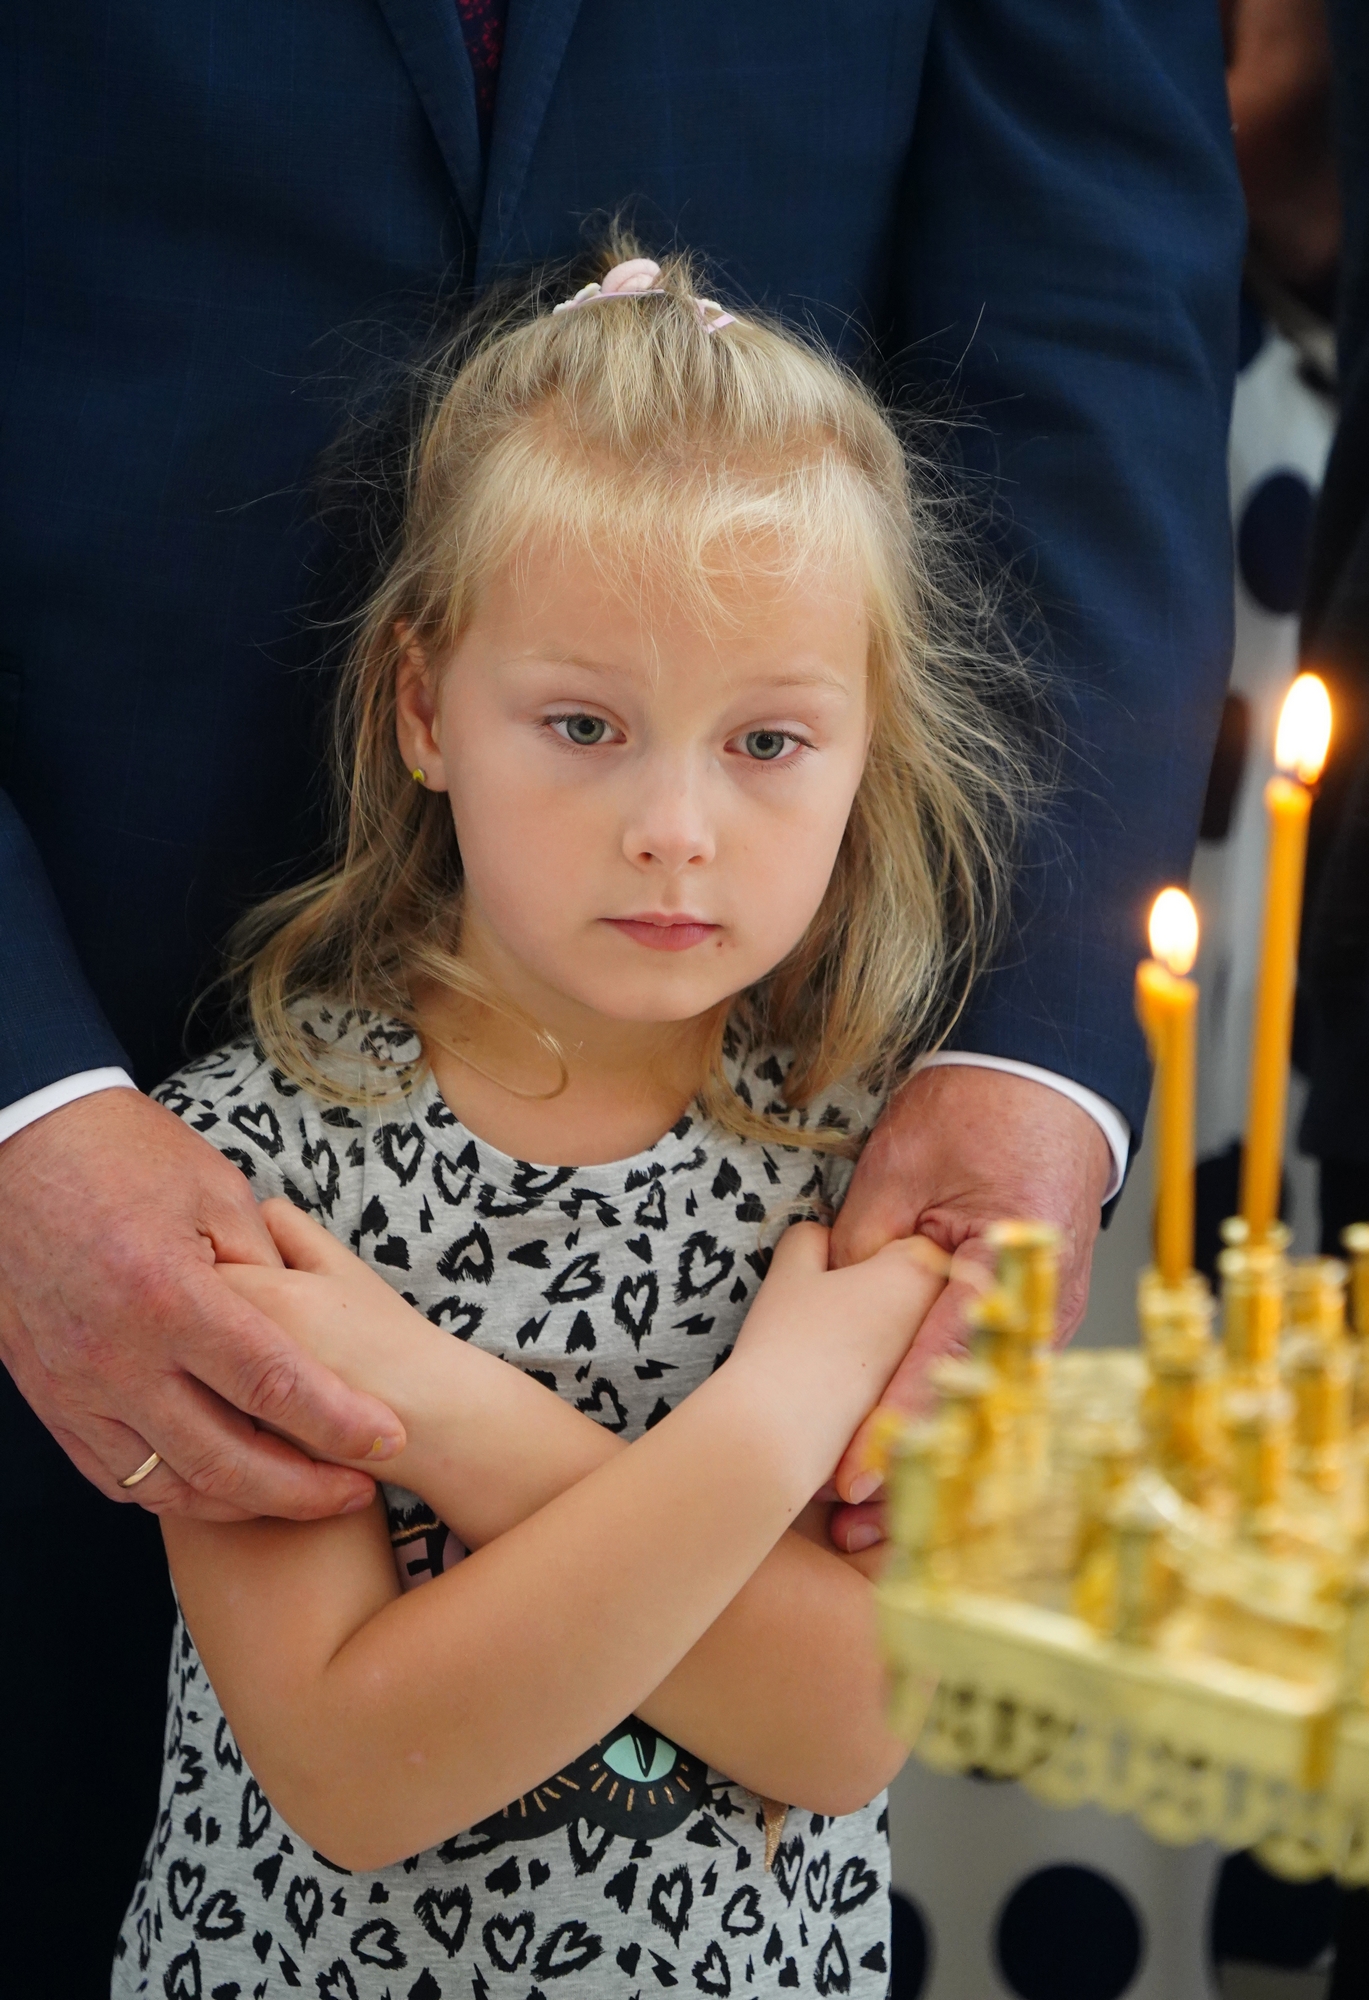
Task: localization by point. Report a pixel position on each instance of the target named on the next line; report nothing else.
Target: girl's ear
(415, 710)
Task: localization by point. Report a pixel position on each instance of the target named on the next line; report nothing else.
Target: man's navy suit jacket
(1029, 211)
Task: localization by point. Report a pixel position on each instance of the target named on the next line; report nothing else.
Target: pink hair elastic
(636, 278)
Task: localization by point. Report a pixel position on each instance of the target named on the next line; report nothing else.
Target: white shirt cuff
(28, 1110)
(1105, 1116)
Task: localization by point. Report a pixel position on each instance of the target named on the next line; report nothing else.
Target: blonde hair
(628, 426)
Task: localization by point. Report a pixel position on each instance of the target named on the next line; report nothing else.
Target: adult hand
(958, 1149)
(120, 1333)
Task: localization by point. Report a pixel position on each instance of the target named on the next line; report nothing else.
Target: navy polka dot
(1068, 1933)
(1276, 525)
(1260, 1919)
(910, 1950)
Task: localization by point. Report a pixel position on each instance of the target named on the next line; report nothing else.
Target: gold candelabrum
(1140, 1577)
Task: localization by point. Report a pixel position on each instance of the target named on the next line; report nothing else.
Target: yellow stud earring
(419, 776)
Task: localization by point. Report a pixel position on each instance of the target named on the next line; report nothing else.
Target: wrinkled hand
(125, 1339)
(957, 1150)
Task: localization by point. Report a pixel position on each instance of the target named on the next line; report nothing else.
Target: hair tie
(636, 279)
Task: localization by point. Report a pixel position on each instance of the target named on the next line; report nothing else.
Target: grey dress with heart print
(635, 1868)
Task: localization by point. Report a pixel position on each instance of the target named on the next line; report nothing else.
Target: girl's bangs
(690, 530)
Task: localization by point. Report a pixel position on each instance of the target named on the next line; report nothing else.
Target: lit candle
(1167, 1004)
(1299, 751)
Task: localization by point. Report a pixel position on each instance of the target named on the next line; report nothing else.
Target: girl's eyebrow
(785, 678)
(561, 660)
(820, 677)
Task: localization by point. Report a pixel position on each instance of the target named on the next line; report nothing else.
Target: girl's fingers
(916, 1269)
(802, 1250)
(263, 1374)
(913, 1269)
(854, 1530)
(304, 1244)
(909, 1393)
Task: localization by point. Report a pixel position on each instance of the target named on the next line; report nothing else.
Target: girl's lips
(664, 933)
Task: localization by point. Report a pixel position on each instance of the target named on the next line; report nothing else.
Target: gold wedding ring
(149, 1464)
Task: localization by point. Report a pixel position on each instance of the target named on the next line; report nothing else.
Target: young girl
(676, 820)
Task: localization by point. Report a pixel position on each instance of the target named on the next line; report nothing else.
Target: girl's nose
(669, 827)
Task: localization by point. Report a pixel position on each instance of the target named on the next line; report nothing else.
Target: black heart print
(671, 1900)
(743, 1916)
(832, 1973)
(265, 1874)
(702, 1266)
(220, 1916)
(634, 1305)
(226, 1752)
(651, 1213)
(434, 1911)
(469, 1257)
(711, 1972)
(622, 1887)
(259, 1123)
(255, 1816)
(182, 1981)
(507, 1878)
(183, 1886)
(192, 1772)
(387, 1041)
(582, 1337)
(581, 1279)
(337, 1982)
(789, 1865)
(815, 1880)
(855, 1884)
(303, 1906)
(593, 1404)
(507, 1939)
(401, 1147)
(322, 1163)
(570, 1948)
(377, 1943)
(529, 1187)
(482, 1839)
(587, 1852)
(453, 1178)
(459, 1316)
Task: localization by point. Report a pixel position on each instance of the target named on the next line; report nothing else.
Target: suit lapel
(428, 36)
(534, 44)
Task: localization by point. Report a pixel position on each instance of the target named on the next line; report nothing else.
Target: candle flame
(1174, 931)
(1304, 729)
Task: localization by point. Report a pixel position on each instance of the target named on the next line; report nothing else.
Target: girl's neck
(623, 1083)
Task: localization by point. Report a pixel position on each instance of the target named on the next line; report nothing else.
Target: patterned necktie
(482, 24)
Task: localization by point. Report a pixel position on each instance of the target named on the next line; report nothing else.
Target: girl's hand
(485, 1444)
(827, 1342)
(338, 1309)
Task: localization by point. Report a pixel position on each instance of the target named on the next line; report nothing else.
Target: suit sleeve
(51, 1025)
(1066, 275)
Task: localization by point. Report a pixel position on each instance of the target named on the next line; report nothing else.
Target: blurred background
(998, 1897)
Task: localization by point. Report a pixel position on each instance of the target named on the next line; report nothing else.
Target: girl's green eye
(584, 729)
(764, 744)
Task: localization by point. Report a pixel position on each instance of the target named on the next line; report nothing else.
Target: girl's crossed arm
(607, 1579)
